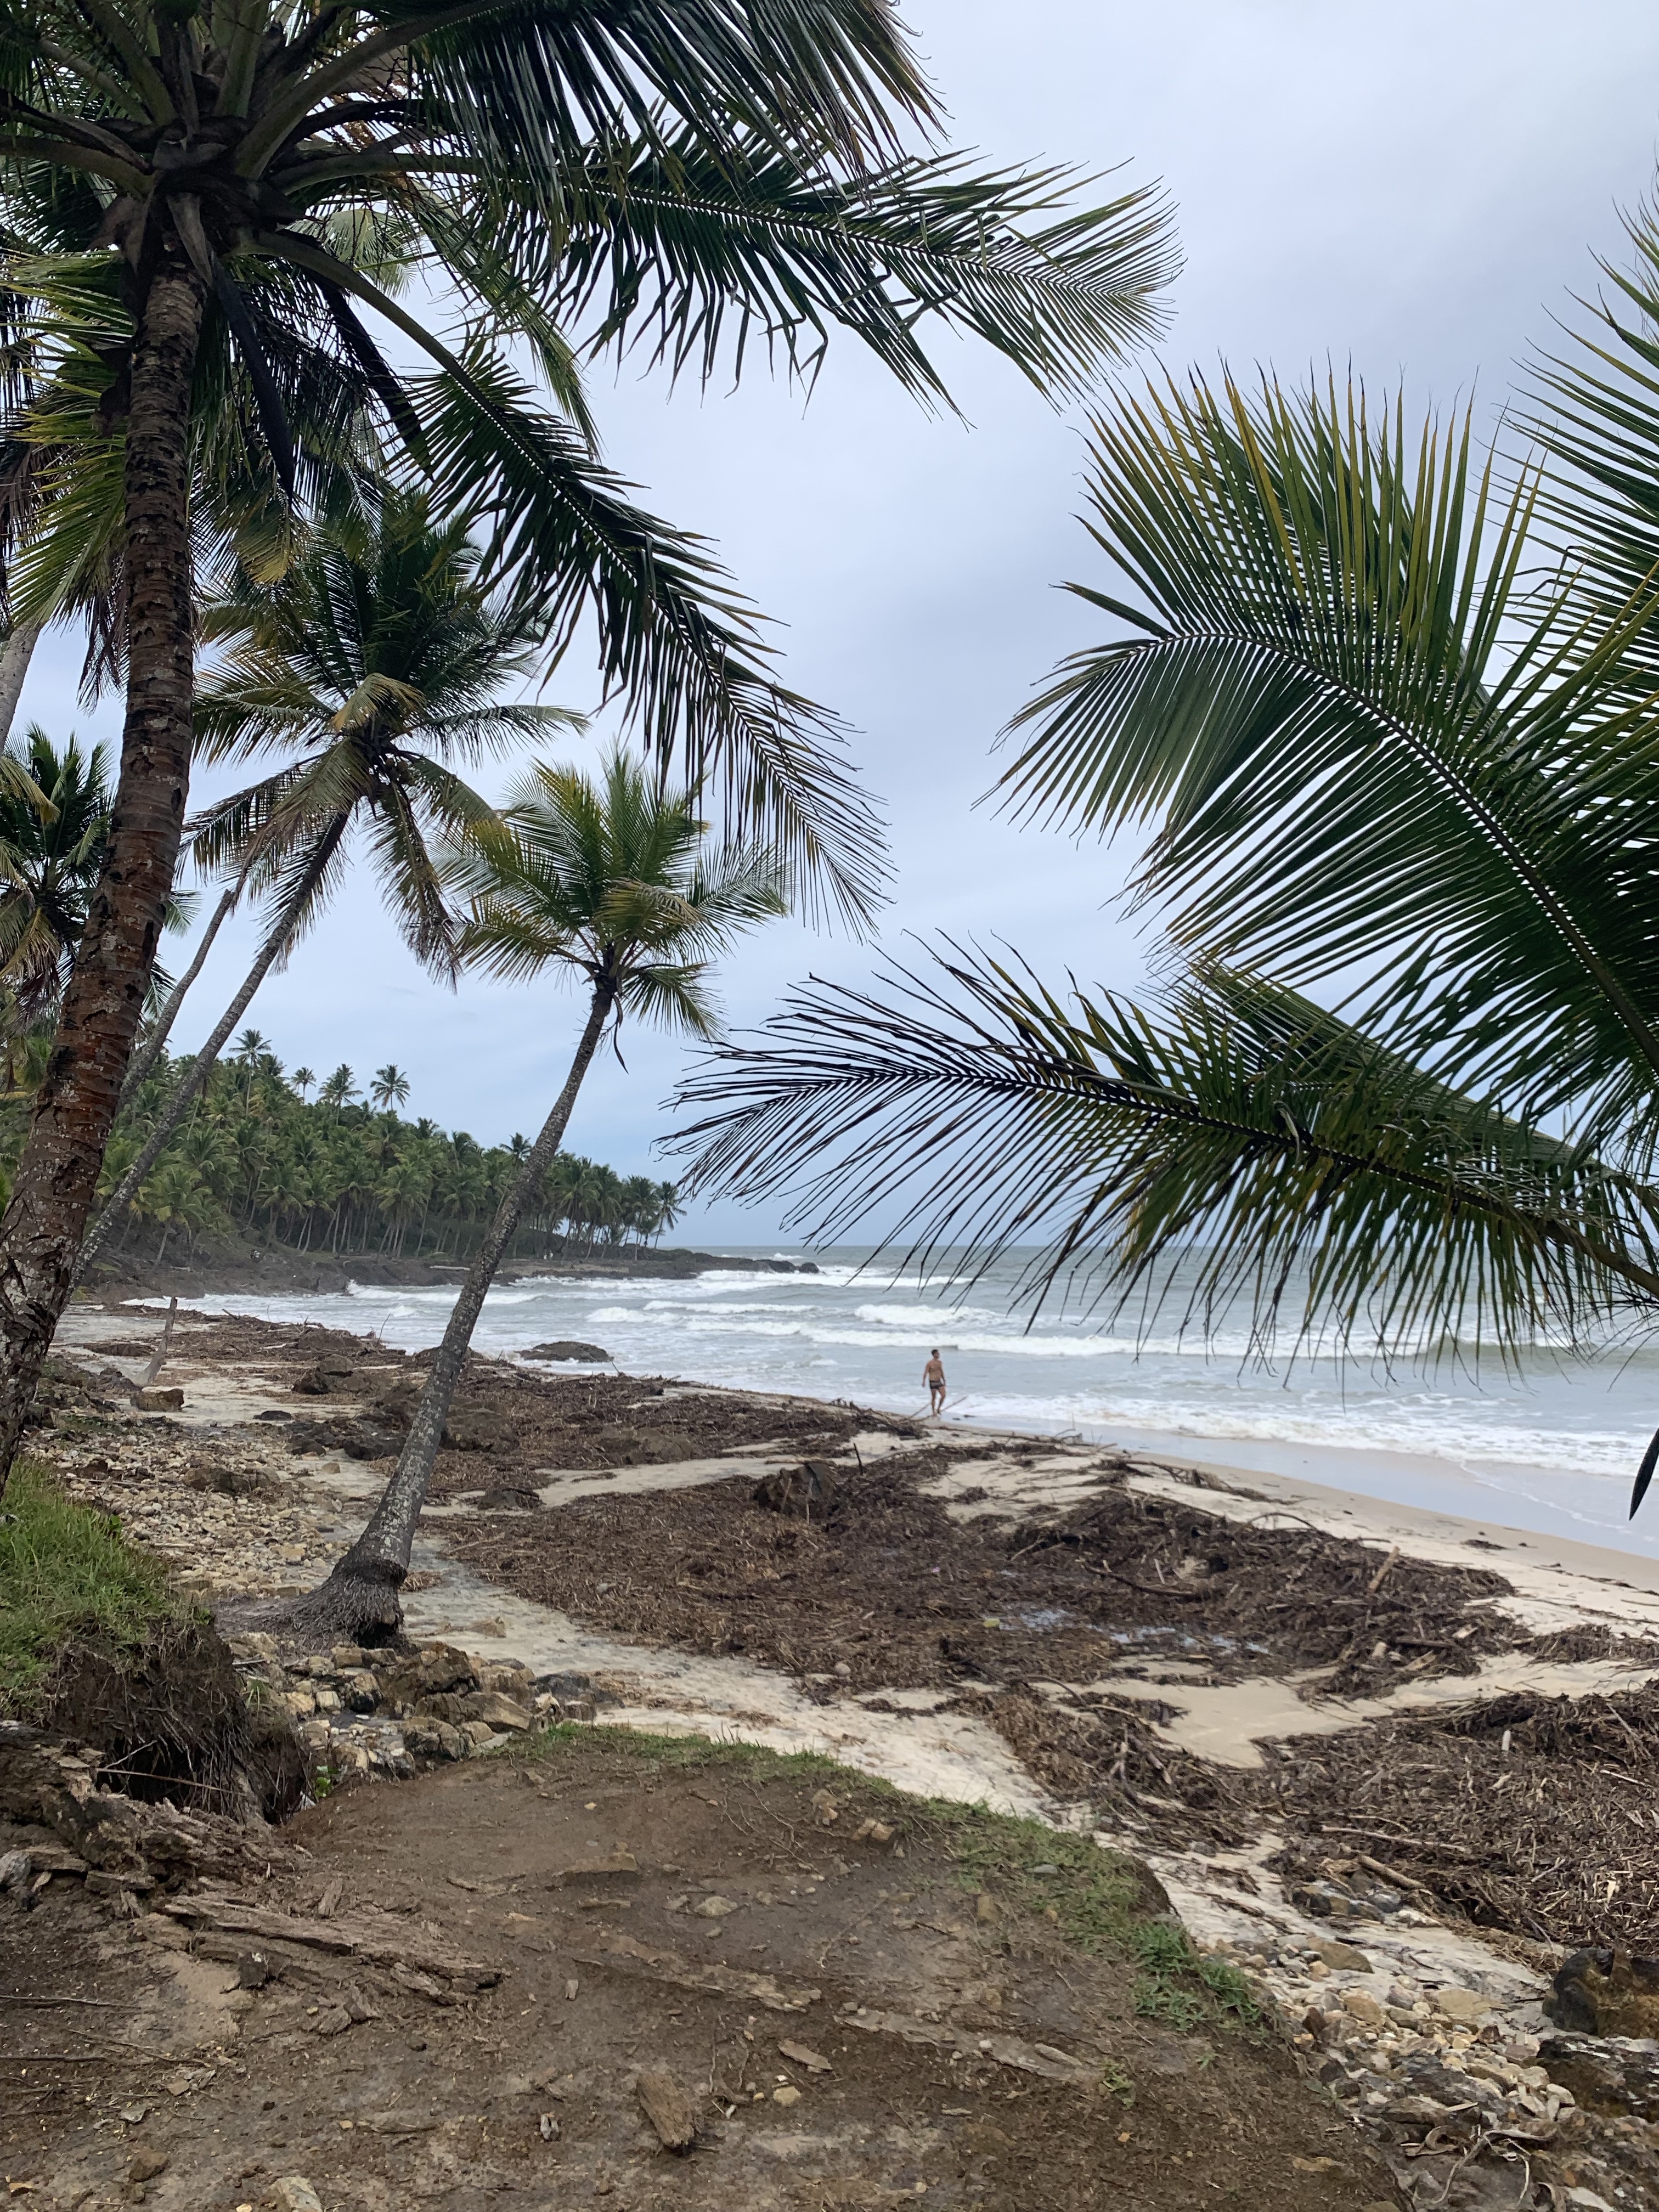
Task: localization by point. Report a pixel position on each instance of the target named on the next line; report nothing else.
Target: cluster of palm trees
(348, 1177)
(225, 235)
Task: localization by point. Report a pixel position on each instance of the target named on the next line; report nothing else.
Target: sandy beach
(1333, 1727)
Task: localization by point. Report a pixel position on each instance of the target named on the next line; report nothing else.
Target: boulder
(433, 1671)
(589, 1354)
(1606, 1993)
(806, 1492)
(497, 1711)
(477, 1429)
(158, 1398)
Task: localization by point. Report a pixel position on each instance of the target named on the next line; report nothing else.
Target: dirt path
(851, 2017)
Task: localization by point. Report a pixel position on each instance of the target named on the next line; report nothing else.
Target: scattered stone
(787, 2095)
(295, 2194)
(813, 2061)
(588, 1354)
(145, 2164)
(1464, 2006)
(617, 1867)
(548, 2125)
(1604, 2077)
(158, 1398)
(495, 1710)
(714, 1908)
(669, 2109)
(1344, 1957)
(1364, 2009)
(985, 1908)
(825, 1811)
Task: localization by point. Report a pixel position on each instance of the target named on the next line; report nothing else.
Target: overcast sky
(1416, 190)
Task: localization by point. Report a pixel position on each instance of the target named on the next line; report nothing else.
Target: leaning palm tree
(209, 212)
(608, 884)
(375, 662)
(1391, 707)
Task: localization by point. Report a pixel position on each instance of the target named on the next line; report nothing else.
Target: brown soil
(122, 2039)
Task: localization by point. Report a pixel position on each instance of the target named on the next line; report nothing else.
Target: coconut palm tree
(54, 818)
(338, 1087)
(210, 211)
(304, 1079)
(375, 661)
(390, 1087)
(609, 883)
(1390, 705)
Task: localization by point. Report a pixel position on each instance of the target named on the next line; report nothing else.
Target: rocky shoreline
(1105, 1642)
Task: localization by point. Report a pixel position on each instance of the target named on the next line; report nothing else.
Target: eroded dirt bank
(1398, 1781)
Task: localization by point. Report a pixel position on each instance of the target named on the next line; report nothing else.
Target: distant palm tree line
(348, 1175)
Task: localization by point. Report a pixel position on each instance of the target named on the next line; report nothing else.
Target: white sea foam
(1560, 1439)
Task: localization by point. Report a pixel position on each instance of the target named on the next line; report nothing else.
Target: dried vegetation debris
(1529, 1813)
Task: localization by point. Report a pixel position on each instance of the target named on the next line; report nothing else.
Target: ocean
(1552, 1449)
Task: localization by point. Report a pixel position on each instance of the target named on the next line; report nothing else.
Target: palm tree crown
(610, 878)
(54, 818)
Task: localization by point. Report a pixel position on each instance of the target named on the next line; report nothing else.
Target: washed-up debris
(669, 2109)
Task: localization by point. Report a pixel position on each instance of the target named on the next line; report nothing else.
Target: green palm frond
(1235, 1151)
(1367, 746)
(701, 252)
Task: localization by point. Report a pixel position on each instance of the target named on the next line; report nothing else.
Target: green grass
(66, 1571)
(1093, 1899)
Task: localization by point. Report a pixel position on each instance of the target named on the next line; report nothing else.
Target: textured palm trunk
(201, 1067)
(41, 1229)
(21, 642)
(362, 1594)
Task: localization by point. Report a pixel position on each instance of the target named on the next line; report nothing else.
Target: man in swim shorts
(933, 1376)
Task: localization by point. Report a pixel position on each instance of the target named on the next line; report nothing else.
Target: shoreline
(1296, 1705)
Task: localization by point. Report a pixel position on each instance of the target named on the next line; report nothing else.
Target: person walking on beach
(933, 1376)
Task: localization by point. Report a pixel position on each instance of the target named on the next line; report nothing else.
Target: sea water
(1551, 1445)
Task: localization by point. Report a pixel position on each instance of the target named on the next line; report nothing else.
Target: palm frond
(1235, 1151)
(1367, 747)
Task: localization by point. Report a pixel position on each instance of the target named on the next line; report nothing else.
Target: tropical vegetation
(612, 883)
(208, 212)
(347, 1177)
(1388, 701)
(374, 665)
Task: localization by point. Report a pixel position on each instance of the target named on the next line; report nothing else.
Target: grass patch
(67, 1571)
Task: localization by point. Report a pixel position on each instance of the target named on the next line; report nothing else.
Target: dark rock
(478, 1429)
(1604, 2077)
(591, 1354)
(1606, 1993)
(805, 1492)
(510, 1501)
(435, 1670)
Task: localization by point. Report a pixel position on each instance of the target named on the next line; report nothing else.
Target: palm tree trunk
(57, 1178)
(14, 667)
(362, 1593)
(150, 1051)
(187, 1089)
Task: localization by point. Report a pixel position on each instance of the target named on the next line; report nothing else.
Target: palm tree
(608, 882)
(375, 661)
(338, 1087)
(207, 204)
(390, 1087)
(1397, 727)
(304, 1080)
(54, 818)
